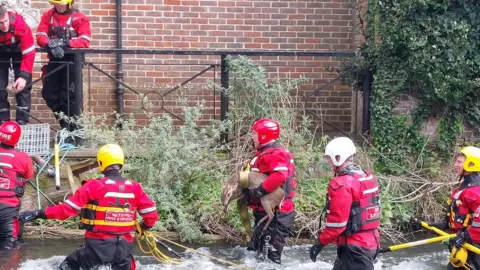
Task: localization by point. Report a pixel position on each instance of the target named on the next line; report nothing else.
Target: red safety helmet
(10, 133)
(267, 129)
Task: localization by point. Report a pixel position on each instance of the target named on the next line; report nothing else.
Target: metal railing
(79, 63)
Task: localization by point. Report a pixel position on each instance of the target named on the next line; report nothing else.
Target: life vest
(8, 38)
(115, 213)
(287, 186)
(58, 31)
(459, 216)
(11, 183)
(365, 212)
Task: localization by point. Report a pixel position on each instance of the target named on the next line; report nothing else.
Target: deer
(232, 190)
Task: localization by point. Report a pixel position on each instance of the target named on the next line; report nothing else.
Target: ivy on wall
(429, 49)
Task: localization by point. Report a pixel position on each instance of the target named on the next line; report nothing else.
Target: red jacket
(459, 215)
(468, 197)
(54, 25)
(20, 34)
(13, 163)
(99, 192)
(275, 161)
(343, 191)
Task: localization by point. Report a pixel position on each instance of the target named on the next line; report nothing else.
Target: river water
(48, 254)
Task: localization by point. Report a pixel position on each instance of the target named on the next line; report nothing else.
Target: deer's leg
(244, 216)
(260, 222)
(270, 215)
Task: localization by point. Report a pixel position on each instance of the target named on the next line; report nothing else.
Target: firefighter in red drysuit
(107, 208)
(353, 210)
(272, 159)
(463, 206)
(62, 27)
(16, 168)
(14, 33)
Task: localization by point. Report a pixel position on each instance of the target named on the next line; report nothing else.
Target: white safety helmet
(341, 147)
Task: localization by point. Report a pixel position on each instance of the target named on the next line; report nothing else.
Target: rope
(151, 242)
(204, 254)
(63, 146)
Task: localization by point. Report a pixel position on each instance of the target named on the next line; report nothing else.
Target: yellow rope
(151, 242)
(151, 239)
(204, 254)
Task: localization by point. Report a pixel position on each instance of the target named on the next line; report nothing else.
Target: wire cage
(35, 139)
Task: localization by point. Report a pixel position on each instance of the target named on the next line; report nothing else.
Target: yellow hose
(440, 232)
(417, 243)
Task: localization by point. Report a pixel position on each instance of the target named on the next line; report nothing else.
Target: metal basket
(35, 139)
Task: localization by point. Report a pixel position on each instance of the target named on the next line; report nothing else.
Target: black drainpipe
(120, 89)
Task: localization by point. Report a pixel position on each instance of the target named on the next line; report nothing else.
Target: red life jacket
(460, 216)
(115, 213)
(365, 211)
(11, 183)
(62, 31)
(8, 38)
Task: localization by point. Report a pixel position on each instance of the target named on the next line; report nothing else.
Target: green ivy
(428, 49)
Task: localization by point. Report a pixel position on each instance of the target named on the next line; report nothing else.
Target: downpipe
(120, 90)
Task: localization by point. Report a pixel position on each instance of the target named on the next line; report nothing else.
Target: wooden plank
(84, 166)
(73, 185)
(47, 186)
(81, 153)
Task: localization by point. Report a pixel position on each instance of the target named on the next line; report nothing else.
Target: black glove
(56, 47)
(442, 225)
(143, 228)
(32, 215)
(416, 225)
(258, 192)
(54, 43)
(461, 238)
(58, 52)
(315, 250)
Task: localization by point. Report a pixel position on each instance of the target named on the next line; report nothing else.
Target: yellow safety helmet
(110, 154)
(472, 156)
(62, 2)
(458, 257)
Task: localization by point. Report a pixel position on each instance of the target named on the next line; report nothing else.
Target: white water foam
(294, 258)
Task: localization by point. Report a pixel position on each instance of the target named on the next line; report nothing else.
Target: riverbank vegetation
(183, 167)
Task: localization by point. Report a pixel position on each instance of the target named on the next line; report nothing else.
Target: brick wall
(406, 104)
(223, 24)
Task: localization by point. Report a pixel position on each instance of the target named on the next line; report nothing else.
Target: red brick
(171, 2)
(145, 7)
(222, 24)
(226, 3)
(253, 46)
(100, 12)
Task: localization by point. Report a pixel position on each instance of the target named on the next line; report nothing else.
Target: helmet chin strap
(335, 172)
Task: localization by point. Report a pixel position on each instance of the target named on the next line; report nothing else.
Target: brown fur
(232, 190)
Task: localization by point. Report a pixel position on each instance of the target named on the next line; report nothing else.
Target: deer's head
(232, 190)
